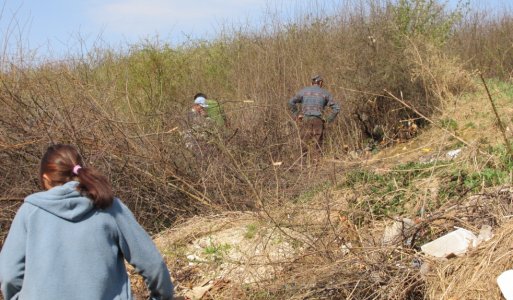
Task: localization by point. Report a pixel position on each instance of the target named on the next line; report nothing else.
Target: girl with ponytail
(63, 163)
(71, 240)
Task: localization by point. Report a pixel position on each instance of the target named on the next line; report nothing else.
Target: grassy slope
(414, 179)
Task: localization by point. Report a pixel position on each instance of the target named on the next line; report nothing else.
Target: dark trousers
(312, 133)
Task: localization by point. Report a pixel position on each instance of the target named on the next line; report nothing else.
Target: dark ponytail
(96, 186)
(62, 163)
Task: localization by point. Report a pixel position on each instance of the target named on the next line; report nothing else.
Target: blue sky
(60, 26)
(68, 26)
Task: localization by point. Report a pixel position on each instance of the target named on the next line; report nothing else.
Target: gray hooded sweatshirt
(60, 247)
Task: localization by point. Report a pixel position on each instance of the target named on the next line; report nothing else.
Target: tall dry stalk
(499, 121)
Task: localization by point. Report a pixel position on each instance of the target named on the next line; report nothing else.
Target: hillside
(243, 214)
(329, 242)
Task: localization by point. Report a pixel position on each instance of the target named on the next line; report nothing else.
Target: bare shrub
(126, 112)
(483, 40)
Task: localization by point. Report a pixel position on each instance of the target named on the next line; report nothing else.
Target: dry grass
(483, 40)
(126, 115)
(474, 276)
(335, 259)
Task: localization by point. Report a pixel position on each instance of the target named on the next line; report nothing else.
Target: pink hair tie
(76, 168)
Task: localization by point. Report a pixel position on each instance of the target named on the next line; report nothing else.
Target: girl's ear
(47, 183)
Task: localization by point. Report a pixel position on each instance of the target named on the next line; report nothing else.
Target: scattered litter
(416, 263)
(505, 284)
(425, 268)
(429, 158)
(453, 153)
(198, 292)
(485, 234)
(193, 259)
(395, 233)
(277, 163)
(456, 242)
(346, 248)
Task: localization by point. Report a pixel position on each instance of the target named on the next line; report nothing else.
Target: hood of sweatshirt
(64, 201)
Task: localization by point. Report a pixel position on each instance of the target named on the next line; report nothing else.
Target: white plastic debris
(485, 234)
(456, 242)
(397, 231)
(346, 248)
(453, 153)
(505, 282)
(193, 259)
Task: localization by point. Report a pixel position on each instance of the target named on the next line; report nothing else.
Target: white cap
(201, 101)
